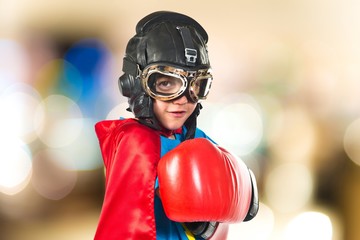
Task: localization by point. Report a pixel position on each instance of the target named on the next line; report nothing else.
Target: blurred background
(285, 98)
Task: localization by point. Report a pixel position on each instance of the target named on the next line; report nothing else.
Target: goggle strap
(190, 51)
(130, 67)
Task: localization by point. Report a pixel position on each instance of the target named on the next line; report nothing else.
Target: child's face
(173, 114)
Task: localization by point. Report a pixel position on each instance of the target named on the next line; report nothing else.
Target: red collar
(168, 133)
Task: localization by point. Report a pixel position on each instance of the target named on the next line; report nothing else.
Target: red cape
(130, 152)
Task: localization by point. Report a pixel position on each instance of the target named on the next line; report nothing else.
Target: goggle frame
(188, 79)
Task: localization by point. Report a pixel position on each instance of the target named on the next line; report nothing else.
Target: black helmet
(164, 39)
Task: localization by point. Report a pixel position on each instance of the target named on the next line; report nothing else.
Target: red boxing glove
(199, 181)
(221, 232)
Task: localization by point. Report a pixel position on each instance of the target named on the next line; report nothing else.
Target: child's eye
(166, 84)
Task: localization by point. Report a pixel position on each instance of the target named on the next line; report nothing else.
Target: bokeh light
(352, 141)
(50, 179)
(289, 187)
(235, 123)
(15, 165)
(92, 60)
(245, 133)
(70, 82)
(310, 226)
(13, 63)
(48, 76)
(292, 136)
(119, 111)
(264, 220)
(18, 103)
(58, 121)
(83, 153)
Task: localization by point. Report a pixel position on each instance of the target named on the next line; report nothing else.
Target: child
(165, 179)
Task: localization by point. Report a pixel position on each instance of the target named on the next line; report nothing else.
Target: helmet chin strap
(191, 122)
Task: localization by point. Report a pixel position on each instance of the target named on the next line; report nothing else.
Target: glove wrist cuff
(205, 230)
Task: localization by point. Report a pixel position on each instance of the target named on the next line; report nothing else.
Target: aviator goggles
(168, 83)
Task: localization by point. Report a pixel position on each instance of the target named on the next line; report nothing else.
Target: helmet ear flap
(126, 85)
(128, 82)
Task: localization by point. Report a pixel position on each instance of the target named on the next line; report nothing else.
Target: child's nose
(181, 100)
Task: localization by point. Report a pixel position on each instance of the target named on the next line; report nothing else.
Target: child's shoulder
(123, 126)
(200, 133)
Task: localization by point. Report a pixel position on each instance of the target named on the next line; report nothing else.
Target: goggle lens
(200, 87)
(167, 83)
